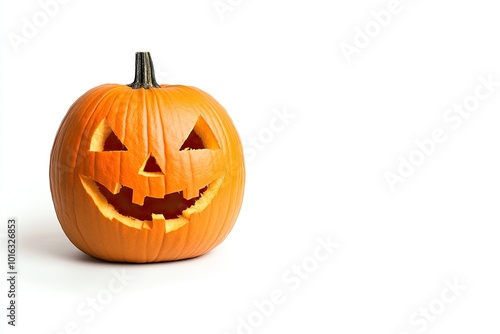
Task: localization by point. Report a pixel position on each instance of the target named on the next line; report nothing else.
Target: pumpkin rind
(150, 122)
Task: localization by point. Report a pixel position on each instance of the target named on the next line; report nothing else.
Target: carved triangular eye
(104, 139)
(112, 143)
(193, 142)
(200, 137)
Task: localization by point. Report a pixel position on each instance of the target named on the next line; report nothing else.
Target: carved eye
(201, 137)
(193, 142)
(104, 139)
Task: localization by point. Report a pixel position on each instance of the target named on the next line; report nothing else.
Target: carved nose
(151, 167)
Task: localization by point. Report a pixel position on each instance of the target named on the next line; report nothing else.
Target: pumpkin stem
(144, 72)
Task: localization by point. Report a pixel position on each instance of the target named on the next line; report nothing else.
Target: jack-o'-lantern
(146, 172)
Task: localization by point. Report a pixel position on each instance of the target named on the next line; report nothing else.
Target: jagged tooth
(111, 211)
(116, 188)
(157, 217)
(137, 198)
(158, 221)
(190, 193)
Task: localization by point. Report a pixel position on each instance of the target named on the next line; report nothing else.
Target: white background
(322, 176)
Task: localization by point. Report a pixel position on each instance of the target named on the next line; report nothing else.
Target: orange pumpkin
(146, 172)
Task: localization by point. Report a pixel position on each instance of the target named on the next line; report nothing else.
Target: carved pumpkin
(146, 172)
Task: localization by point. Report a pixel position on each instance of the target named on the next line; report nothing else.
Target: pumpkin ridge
(163, 130)
(87, 107)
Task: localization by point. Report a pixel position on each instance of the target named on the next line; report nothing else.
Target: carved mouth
(173, 209)
(170, 206)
